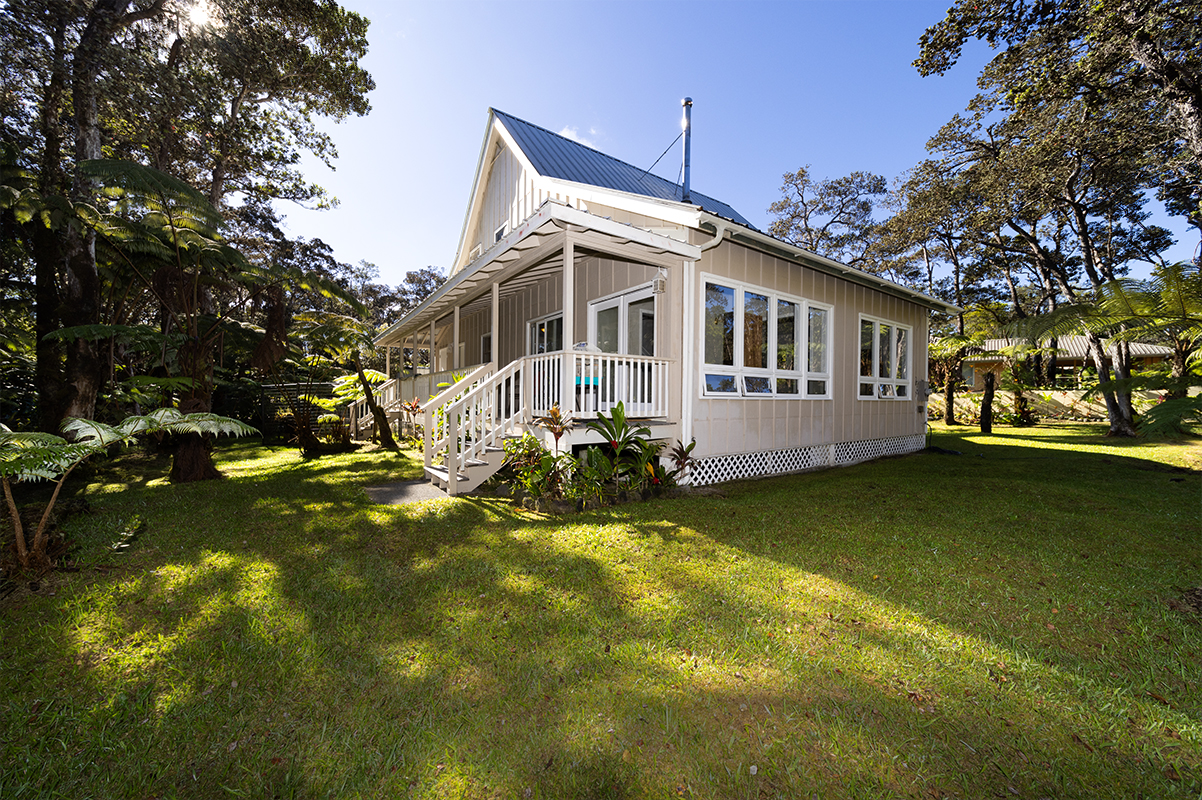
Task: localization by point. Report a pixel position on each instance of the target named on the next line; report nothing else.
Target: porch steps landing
(477, 472)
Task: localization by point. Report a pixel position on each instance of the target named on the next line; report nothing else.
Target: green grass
(989, 624)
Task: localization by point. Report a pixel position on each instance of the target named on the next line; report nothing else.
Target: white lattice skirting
(719, 469)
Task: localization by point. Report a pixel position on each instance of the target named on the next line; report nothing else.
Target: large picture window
(759, 343)
(884, 360)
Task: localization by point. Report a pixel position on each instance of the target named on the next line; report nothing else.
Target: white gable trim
(671, 211)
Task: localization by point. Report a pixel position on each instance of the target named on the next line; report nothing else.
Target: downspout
(719, 235)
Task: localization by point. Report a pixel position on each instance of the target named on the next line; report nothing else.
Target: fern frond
(85, 430)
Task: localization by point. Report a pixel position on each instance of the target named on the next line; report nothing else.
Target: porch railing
(487, 405)
(599, 381)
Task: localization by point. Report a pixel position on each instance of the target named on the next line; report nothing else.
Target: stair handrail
(479, 414)
(431, 445)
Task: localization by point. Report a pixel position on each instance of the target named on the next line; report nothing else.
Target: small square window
(787, 385)
(816, 387)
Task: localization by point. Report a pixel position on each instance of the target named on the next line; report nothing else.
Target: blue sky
(775, 86)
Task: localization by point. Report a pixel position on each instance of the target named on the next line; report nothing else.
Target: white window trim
(802, 374)
(878, 382)
(625, 297)
(530, 326)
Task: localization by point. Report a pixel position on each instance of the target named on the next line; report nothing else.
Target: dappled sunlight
(752, 645)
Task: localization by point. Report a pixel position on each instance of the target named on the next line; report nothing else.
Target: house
(585, 281)
(1072, 358)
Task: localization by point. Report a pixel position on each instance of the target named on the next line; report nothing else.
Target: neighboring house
(1072, 357)
(585, 281)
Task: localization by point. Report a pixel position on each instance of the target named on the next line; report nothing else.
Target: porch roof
(531, 243)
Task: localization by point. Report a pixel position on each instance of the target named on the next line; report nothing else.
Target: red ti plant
(557, 423)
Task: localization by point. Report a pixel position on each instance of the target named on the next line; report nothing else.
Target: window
(486, 348)
(624, 323)
(884, 360)
(759, 343)
(546, 335)
(500, 232)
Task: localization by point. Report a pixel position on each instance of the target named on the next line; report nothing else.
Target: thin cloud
(568, 132)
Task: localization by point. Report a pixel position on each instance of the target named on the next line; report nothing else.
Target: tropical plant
(36, 456)
(346, 340)
(556, 423)
(681, 456)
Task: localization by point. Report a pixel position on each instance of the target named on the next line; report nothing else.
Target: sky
(775, 86)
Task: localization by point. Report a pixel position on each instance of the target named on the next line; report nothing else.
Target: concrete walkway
(402, 492)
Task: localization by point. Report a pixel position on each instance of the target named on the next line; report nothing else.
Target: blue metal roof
(555, 156)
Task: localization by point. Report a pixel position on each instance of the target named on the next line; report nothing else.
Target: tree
(830, 217)
(1061, 185)
(344, 339)
(1164, 309)
(233, 106)
(43, 456)
(1137, 53)
(164, 232)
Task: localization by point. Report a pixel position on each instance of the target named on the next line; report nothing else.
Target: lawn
(1000, 623)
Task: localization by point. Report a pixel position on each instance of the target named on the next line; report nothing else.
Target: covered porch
(569, 309)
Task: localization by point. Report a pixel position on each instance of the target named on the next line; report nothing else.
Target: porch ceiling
(531, 254)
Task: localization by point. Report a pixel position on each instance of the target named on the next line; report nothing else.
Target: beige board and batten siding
(724, 426)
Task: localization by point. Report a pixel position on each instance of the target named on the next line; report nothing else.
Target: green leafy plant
(37, 456)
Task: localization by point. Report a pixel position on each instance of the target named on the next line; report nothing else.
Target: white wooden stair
(475, 472)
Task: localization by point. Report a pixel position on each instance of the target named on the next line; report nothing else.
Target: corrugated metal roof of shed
(556, 156)
(1075, 347)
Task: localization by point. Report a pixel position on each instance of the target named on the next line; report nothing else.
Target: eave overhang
(762, 241)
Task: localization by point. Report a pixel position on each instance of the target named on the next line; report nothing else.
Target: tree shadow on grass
(465, 648)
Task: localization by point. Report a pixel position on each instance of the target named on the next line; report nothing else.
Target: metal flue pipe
(687, 122)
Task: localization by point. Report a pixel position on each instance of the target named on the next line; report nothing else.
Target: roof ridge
(644, 174)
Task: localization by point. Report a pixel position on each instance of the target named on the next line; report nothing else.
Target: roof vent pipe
(687, 122)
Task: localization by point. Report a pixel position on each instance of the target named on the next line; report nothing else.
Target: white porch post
(455, 341)
(388, 359)
(568, 387)
(433, 359)
(496, 324)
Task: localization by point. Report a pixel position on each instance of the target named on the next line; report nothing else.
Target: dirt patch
(1189, 603)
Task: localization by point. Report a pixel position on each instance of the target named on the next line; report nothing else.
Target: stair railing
(443, 428)
(387, 396)
(484, 416)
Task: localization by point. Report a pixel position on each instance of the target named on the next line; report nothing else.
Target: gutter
(762, 241)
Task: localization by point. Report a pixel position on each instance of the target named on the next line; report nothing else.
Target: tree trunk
(46, 244)
(378, 414)
(1121, 424)
(194, 460)
(949, 399)
(987, 404)
(1182, 347)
